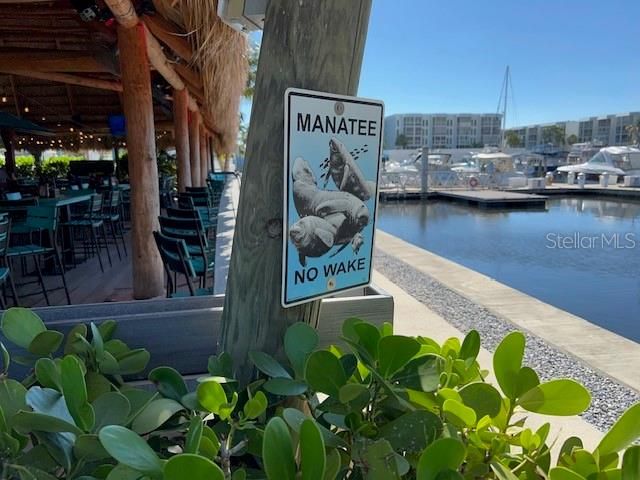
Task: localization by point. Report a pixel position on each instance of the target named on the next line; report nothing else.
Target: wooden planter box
(184, 332)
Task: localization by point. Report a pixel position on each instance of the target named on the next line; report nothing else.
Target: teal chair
(39, 228)
(5, 271)
(177, 261)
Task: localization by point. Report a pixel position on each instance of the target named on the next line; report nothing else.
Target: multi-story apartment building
(534, 135)
(443, 130)
(606, 129)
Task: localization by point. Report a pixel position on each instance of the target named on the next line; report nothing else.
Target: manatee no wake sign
(332, 154)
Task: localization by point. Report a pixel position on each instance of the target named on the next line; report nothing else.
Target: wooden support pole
(212, 158)
(181, 135)
(8, 137)
(204, 157)
(148, 279)
(314, 45)
(194, 147)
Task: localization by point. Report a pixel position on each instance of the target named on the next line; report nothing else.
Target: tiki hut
(172, 69)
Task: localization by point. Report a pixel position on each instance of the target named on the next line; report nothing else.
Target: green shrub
(387, 407)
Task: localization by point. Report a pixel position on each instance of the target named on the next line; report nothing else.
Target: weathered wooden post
(194, 147)
(181, 134)
(313, 45)
(424, 171)
(8, 137)
(143, 170)
(204, 156)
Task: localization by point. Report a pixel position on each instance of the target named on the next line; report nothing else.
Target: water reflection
(582, 254)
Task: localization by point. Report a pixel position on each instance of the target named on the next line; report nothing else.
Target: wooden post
(194, 147)
(148, 279)
(424, 170)
(181, 135)
(8, 137)
(203, 156)
(314, 45)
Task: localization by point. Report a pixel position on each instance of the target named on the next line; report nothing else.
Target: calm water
(581, 255)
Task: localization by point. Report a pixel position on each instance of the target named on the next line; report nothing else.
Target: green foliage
(513, 139)
(402, 141)
(387, 407)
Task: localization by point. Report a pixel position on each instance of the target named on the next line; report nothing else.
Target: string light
(44, 118)
(26, 109)
(71, 129)
(4, 99)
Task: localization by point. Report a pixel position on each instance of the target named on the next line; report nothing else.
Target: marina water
(581, 255)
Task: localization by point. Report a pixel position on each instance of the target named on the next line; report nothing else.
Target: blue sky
(569, 58)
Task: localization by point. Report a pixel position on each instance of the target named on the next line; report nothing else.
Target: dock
(509, 198)
(495, 198)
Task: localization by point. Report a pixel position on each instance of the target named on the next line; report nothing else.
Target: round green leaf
(482, 397)
(48, 373)
(134, 361)
(45, 343)
(412, 432)
(211, 396)
(527, 379)
(169, 382)
(268, 365)
(21, 326)
(624, 432)
(255, 406)
(155, 414)
(470, 346)
(285, 387)
(111, 408)
(130, 449)
(443, 454)
(324, 373)
(459, 414)
(507, 361)
(194, 466)
(556, 397)
(368, 338)
(422, 373)
(300, 340)
(394, 352)
(194, 435)
(73, 344)
(352, 391)
(277, 451)
(312, 455)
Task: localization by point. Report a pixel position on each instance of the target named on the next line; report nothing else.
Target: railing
(403, 182)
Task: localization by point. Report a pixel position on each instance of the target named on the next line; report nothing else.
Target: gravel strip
(609, 398)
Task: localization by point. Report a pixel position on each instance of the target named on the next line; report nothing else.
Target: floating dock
(495, 198)
(477, 198)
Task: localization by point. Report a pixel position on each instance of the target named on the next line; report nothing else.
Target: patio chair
(5, 271)
(112, 216)
(177, 261)
(40, 229)
(192, 232)
(92, 223)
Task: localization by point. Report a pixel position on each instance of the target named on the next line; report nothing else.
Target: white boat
(612, 160)
(486, 162)
(582, 152)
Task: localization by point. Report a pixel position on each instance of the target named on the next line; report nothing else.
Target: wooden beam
(194, 147)
(58, 60)
(148, 278)
(181, 135)
(16, 100)
(66, 78)
(313, 45)
(191, 77)
(169, 34)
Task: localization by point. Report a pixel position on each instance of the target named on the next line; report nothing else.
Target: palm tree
(633, 132)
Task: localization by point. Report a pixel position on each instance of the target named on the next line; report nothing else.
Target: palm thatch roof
(63, 73)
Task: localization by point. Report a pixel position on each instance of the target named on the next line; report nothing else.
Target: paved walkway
(224, 235)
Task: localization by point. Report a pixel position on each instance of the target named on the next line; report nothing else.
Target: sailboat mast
(506, 96)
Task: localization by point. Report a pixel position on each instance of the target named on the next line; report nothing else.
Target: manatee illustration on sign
(332, 155)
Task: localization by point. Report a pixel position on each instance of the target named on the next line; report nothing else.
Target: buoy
(473, 182)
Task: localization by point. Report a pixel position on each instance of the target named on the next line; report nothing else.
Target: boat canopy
(614, 160)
